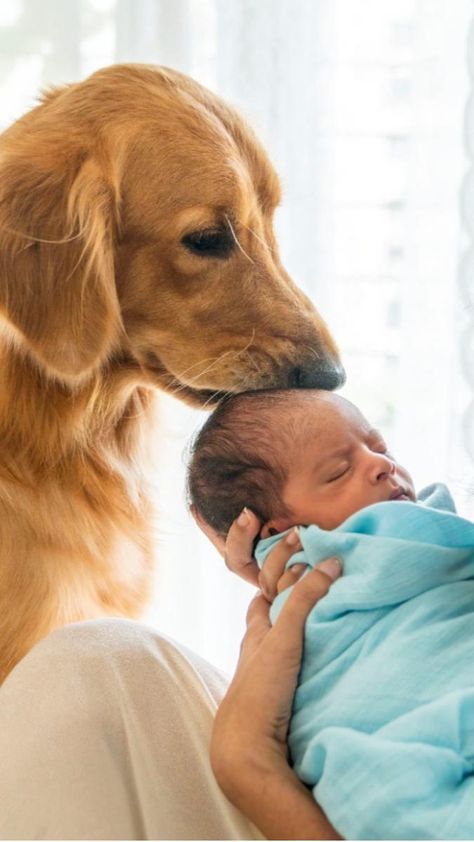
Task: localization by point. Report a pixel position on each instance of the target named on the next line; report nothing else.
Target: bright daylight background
(364, 106)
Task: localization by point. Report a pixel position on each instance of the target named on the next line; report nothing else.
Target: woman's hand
(237, 552)
(249, 749)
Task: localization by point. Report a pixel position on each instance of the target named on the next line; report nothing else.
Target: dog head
(136, 230)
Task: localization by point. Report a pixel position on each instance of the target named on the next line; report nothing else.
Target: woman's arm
(249, 749)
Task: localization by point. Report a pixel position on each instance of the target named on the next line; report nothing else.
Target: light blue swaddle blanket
(383, 718)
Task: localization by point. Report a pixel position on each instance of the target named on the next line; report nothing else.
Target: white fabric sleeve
(104, 734)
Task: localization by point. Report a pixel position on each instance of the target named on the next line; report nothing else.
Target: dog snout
(330, 376)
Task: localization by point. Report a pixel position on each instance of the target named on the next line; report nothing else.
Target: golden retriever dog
(136, 253)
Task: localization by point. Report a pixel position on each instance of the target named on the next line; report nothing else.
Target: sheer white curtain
(361, 104)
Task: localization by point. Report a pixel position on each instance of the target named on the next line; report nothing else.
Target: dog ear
(57, 285)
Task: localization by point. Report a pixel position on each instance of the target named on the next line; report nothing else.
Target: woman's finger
(257, 627)
(306, 593)
(287, 633)
(238, 554)
(276, 561)
(291, 576)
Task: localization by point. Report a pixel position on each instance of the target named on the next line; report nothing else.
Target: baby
(293, 457)
(382, 720)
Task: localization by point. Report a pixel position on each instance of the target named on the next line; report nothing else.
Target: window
(361, 106)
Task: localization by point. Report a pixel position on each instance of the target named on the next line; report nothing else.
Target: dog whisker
(249, 343)
(195, 365)
(229, 223)
(214, 361)
(180, 386)
(219, 359)
(212, 397)
(257, 236)
(194, 380)
(313, 351)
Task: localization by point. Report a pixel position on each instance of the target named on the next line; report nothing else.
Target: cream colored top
(104, 734)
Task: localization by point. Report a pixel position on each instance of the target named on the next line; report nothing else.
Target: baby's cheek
(346, 504)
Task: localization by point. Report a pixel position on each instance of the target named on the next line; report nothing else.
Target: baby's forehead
(285, 419)
(325, 406)
(331, 417)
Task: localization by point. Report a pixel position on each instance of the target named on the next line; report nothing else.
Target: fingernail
(293, 537)
(243, 519)
(331, 567)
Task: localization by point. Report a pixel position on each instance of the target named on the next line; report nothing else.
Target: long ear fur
(57, 287)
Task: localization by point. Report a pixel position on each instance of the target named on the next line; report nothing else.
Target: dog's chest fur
(75, 518)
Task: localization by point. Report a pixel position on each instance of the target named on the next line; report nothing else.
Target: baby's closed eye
(340, 472)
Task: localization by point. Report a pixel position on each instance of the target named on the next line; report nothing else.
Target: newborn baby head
(292, 457)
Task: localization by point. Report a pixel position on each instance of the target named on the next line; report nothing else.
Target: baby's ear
(273, 527)
(267, 530)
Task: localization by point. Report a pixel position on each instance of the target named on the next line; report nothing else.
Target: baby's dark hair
(241, 457)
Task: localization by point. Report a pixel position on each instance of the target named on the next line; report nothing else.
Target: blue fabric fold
(383, 720)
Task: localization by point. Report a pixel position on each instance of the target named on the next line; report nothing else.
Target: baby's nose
(383, 466)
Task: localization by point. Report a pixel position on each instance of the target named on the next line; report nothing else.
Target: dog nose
(331, 376)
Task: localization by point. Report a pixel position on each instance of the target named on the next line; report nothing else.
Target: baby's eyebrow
(338, 453)
(345, 450)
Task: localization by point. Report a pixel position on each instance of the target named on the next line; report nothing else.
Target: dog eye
(209, 243)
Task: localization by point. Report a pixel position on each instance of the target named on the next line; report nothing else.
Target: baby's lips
(331, 567)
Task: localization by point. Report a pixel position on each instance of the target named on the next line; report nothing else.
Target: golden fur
(101, 303)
